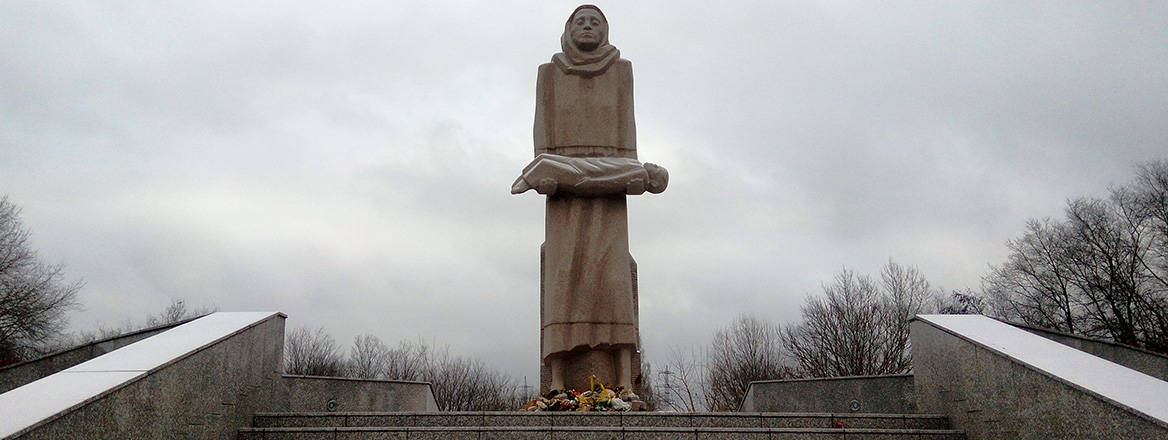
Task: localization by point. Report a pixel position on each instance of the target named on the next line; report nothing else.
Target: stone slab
(891, 394)
(314, 393)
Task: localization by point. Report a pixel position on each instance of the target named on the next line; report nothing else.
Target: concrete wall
(1152, 364)
(314, 394)
(992, 394)
(862, 394)
(203, 393)
(16, 375)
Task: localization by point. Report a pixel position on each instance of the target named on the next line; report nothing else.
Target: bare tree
(175, 312)
(1035, 284)
(409, 361)
(683, 384)
(178, 311)
(463, 384)
(906, 293)
(858, 327)
(1148, 214)
(1101, 271)
(368, 358)
(963, 302)
(1147, 211)
(460, 384)
(745, 351)
(33, 296)
(312, 352)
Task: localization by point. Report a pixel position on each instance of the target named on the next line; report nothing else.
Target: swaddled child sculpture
(586, 164)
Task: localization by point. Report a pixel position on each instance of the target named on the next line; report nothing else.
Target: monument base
(579, 366)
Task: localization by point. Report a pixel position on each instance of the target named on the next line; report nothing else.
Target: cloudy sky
(348, 163)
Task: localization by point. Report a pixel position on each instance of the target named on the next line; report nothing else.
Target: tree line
(459, 383)
(1101, 270)
(34, 296)
(857, 325)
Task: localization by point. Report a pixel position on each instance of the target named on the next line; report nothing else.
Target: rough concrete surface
(314, 393)
(991, 396)
(207, 393)
(860, 394)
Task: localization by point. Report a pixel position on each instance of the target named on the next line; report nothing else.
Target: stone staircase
(605, 426)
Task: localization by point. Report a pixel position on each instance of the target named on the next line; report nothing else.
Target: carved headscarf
(574, 61)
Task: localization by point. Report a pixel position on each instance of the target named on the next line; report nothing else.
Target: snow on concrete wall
(201, 379)
(998, 381)
(14, 376)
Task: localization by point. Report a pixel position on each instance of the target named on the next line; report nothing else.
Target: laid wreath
(598, 398)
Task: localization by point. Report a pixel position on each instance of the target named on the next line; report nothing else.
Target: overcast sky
(349, 164)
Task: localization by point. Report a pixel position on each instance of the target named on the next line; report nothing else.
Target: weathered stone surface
(444, 434)
(313, 393)
(516, 433)
(447, 419)
(725, 435)
(577, 433)
(517, 419)
(587, 275)
(616, 426)
(284, 420)
(391, 419)
(863, 394)
(370, 435)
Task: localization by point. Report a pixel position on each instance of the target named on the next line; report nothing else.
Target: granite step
(631, 419)
(591, 432)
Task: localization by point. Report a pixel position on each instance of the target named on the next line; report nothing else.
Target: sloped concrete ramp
(202, 379)
(996, 381)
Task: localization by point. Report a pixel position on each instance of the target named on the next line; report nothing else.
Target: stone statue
(586, 163)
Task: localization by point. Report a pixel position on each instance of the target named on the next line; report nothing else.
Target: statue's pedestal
(587, 363)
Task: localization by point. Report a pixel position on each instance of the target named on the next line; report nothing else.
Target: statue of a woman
(584, 97)
(586, 148)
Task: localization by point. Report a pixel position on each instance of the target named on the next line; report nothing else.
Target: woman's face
(587, 29)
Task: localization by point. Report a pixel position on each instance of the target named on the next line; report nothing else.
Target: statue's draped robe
(587, 284)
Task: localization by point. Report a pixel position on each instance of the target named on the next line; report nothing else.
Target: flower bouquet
(598, 398)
